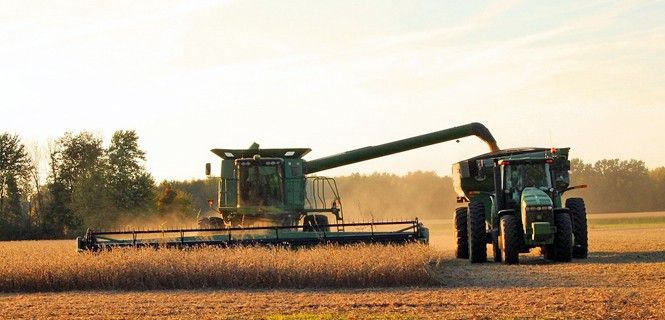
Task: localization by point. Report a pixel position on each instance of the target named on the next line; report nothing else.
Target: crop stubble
(623, 278)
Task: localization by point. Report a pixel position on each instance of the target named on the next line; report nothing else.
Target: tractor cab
(520, 175)
(527, 190)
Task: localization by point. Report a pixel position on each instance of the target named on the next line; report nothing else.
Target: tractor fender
(505, 212)
(495, 223)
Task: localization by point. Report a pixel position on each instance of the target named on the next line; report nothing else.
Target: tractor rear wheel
(477, 232)
(462, 250)
(510, 237)
(316, 223)
(580, 231)
(563, 239)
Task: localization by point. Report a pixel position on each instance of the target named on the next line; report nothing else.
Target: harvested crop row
(53, 266)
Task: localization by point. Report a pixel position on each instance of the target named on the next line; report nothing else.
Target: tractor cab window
(259, 183)
(520, 176)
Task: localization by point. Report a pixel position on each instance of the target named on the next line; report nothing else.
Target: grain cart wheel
(477, 232)
(580, 231)
(316, 223)
(563, 239)
(510, 237)
(462, 250)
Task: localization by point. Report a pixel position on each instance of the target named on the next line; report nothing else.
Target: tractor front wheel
(462, 250)
(510, 238)
(477, 232)
(563, 239)
(580, 231)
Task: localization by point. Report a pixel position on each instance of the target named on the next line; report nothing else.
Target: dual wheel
(571, 239)
(470, 233)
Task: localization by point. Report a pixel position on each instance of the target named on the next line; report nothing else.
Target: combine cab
(515, 203)
(269, 196)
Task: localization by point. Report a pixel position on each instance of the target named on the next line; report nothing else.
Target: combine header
(268, 196)
(375, 232)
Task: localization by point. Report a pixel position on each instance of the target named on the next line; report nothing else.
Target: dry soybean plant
(30, 266)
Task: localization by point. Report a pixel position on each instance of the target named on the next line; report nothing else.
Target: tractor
(515, 203)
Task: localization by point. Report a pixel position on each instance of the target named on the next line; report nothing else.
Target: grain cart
(515, 203)
(269, 196)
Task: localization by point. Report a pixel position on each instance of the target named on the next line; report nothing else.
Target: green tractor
(515, 203)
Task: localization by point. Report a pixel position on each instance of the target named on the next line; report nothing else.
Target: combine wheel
(211, 223)
(580, 231)
(477, 232)
(510, 237)
(563, 239)
(316, 223)
(462, 250)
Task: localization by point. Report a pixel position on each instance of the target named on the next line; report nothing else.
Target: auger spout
(372, 152)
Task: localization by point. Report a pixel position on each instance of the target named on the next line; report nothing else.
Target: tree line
(90, 185)
(86, 185)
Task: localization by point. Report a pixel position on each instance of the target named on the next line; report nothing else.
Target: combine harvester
(275, 188)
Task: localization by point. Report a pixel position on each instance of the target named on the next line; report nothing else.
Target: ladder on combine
(323, 196)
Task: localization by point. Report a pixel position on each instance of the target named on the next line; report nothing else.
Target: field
(623, 278)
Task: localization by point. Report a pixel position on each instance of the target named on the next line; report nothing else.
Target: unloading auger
(276, 188)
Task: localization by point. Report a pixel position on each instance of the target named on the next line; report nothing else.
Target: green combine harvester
(515, 201)
(269, 196)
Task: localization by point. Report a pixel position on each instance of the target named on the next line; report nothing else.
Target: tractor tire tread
(510, 232)
(477, 232)
(462, 249)
(578, 216)
(563, 239)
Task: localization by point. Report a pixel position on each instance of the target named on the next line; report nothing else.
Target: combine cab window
(259, 185)
(520, 176)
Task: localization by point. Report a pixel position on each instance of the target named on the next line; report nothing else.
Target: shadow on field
(599, 270)
(602, 257)
(626, 257)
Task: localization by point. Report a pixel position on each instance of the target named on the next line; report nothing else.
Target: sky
(190, 76)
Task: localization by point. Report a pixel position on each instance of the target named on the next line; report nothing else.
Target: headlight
(538, 208)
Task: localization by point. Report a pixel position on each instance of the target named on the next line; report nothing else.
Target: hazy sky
(337, 75)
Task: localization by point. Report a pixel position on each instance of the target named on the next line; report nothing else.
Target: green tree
(74, 159)
(657, 189)
(14, 176)
(614, 185)
(172, 201)
(131, 186)
(200, 190)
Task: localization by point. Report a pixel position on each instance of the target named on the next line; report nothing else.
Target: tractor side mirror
(208, 169)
